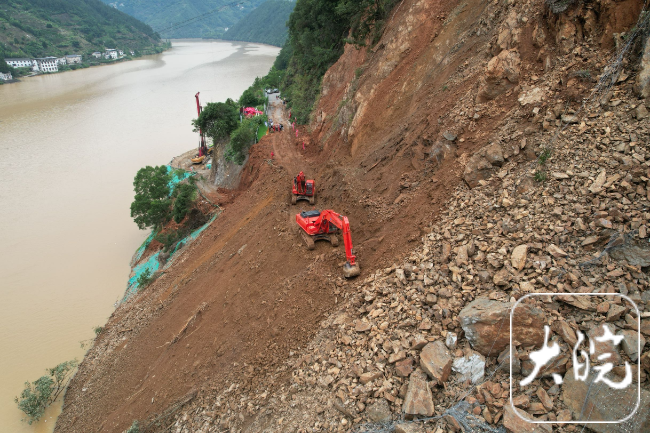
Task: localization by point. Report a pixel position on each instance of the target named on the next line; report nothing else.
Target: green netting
(152, 264)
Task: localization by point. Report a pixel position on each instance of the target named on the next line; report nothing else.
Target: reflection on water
(70, 145)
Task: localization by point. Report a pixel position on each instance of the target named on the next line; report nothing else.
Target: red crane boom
(203, 149)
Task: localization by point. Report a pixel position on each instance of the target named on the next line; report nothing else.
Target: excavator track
(309, 241)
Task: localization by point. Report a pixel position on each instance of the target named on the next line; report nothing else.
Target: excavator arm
(351, 268)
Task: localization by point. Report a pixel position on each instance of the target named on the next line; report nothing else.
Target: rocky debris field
(558, 204)
(482, 179)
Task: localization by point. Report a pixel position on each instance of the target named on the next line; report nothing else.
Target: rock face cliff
(483, 151)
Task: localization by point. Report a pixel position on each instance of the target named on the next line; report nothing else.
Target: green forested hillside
(187, 18)
(318, 31)
(267, 24)
(37, 28)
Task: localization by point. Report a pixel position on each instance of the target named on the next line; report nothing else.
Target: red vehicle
(324, 225)
(303, 189)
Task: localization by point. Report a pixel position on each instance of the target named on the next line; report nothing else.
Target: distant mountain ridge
(187, 18)
(267, 24)
(38, 28)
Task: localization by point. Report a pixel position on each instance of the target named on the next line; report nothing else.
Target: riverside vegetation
(39, 28)
(41, 393)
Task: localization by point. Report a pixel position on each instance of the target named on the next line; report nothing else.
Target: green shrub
(185, 196)
(135, 428)
(540, 176)
(144, 279)
(240, 140)
(98, 330)
(38, 395)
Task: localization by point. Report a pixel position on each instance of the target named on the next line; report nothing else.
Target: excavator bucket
(350, 271)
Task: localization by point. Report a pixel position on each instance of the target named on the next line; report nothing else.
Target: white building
(110, 53)
(46, 64)
(97, 55)
(20, 63)
(73, 58)
(6, 77)
(61, 61)
(121, 53)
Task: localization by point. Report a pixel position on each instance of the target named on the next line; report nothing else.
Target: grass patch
(540, 176)
(544, 156)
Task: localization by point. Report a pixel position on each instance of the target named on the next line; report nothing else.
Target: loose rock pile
(425, 345)
(415, 339)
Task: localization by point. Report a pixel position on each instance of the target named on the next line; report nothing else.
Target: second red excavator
(323, 225)
(303, 189)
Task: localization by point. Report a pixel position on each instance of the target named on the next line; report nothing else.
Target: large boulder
(487, 325)
(501, 75)
(599, 402)
(477, 169)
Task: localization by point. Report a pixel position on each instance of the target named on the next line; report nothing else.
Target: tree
(185, 194)
(152, 202)
(248, 99)
(38, 395)
(241, 139)
(218, 120)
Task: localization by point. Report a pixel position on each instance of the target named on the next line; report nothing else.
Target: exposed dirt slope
(247, 296)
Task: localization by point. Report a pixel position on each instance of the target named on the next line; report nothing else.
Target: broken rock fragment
(418, 399)
(435, 360)
(487, 325)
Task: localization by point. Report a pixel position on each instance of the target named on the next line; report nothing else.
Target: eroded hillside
(249, 331)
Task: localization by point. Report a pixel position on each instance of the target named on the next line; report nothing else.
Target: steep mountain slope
(266, 24)
(39, 28)
(249, 331)
(187, 18)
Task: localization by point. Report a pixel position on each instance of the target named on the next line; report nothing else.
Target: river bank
(67, 234)
(83, 65)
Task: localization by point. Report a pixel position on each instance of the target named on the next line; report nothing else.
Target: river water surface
(70, 145)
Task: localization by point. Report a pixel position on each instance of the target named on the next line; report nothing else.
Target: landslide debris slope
(430, 142)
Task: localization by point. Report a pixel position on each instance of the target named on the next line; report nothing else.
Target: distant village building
(74, 58)
(121, 53)
(132, 52)
(97, 55)
(46, 64)
(20, 63)
(61, 61)
(110, 53)
(6, 77)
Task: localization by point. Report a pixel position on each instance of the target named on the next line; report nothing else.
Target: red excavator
(323, 225)
(303, 189)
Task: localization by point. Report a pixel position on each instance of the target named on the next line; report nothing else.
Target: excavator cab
(303, 189)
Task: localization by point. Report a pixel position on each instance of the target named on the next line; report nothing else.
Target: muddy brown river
(70, 145)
